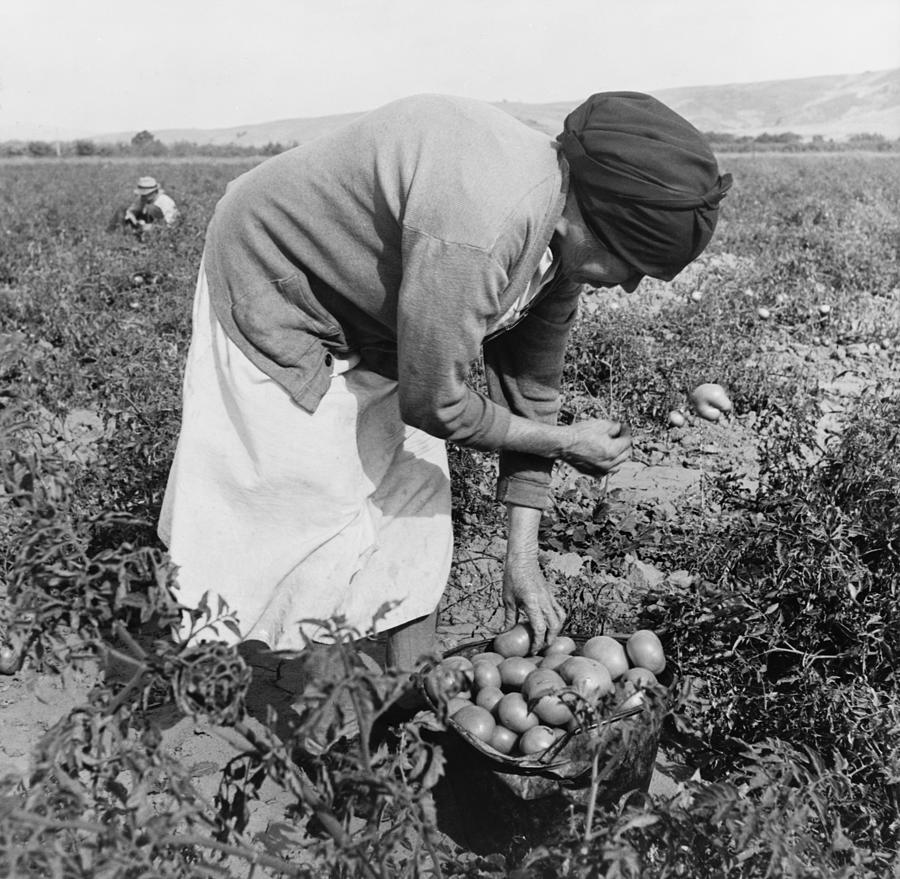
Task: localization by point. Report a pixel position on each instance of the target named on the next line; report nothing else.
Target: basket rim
(578, 638)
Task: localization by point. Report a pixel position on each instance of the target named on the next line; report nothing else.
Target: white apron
(291, 516)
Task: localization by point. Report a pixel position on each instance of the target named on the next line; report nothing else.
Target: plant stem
(121, 632)
(592, 796)
(132, 685)
(365, 727)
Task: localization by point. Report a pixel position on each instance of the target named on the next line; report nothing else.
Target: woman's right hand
(597, 446)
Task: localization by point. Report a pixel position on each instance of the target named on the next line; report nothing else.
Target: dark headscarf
(645, 179)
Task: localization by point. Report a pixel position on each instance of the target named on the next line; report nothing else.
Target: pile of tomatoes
(519, 704)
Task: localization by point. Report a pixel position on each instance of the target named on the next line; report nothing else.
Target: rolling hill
(834, 107)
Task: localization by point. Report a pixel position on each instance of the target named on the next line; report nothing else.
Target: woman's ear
(571, 215)
(562, 225)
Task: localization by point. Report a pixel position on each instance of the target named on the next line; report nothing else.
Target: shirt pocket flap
(283, 319)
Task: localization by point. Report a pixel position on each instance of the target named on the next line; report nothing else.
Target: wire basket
(624, 745)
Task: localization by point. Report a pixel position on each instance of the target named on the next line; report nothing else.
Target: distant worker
(152, 208)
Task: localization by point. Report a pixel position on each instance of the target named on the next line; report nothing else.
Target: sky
(72, 68)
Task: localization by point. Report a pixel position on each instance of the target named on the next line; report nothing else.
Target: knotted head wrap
(645, 179)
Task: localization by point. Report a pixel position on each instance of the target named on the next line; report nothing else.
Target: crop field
(764, 549)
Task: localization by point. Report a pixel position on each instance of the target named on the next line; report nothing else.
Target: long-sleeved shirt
(162, 207)
(403, 237)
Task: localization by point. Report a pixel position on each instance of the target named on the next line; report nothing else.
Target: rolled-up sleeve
(523, 368)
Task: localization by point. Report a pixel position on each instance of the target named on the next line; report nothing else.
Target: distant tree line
(788, 141)
(145, 144)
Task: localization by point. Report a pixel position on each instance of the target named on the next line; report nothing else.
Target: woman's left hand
(526, 592)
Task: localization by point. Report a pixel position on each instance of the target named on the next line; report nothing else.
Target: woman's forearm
(536, 438)
(526, 593)
(594, 446)
(522, 532)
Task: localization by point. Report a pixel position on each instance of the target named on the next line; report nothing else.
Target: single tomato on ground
(710, 401)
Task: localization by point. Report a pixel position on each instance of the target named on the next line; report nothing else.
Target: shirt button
(328, 358)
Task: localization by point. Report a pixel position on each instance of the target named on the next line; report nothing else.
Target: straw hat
(146, 186)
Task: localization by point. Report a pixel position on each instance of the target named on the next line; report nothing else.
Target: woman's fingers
(556, 622)
(600, 447)
(538, 630)
(546, 619)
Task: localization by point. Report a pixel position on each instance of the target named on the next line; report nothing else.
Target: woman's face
(583, 259)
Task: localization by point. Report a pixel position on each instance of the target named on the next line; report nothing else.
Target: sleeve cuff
(524, 480)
